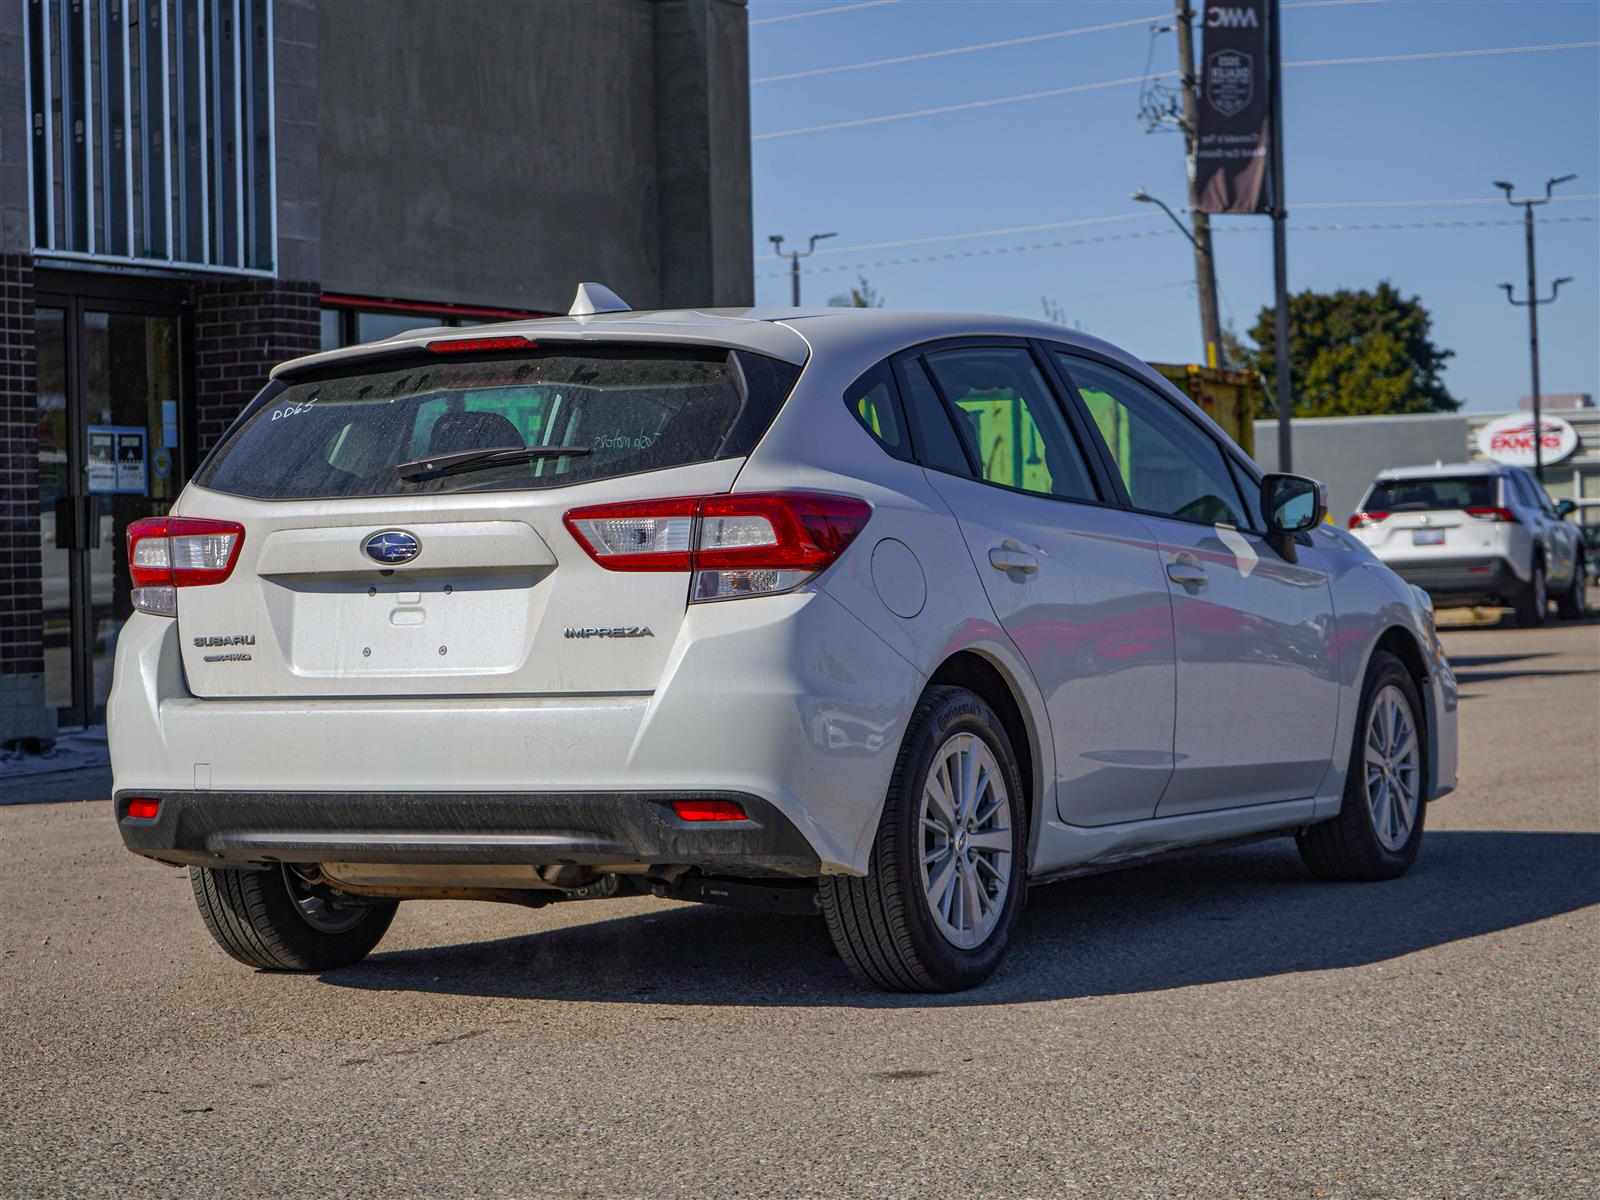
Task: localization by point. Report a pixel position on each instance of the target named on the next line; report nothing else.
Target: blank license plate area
(1427, 537)
(422, 627)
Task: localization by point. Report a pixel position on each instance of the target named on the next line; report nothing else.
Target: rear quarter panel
(815, 443)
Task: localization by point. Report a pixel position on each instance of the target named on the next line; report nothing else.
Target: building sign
(1231, 143)
(115, 464)
(1509, 440)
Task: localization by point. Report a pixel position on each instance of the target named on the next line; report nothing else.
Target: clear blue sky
(1418, 130)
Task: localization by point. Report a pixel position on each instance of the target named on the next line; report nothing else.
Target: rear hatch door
(377, 561)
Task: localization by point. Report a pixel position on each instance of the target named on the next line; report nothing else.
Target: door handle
(1010, 557)
(1187, 574)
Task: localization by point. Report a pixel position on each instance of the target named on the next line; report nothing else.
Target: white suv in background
(1476, 533)
(886, 616)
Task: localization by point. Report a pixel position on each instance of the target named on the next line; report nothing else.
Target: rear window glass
(621, 411)
(1419, 495)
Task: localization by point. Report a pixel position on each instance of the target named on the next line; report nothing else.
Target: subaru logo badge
(392, 546)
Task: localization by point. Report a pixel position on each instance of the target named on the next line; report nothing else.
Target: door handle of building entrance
(1186, 574)
(77, 522)
(1011, 557)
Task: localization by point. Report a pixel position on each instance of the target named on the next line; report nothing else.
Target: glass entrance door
(109, 453)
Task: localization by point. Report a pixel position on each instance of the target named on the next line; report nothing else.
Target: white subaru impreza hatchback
(883, 615)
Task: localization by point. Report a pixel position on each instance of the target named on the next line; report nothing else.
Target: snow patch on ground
(74, 750)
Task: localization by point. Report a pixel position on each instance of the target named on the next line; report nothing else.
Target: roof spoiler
(595, 298)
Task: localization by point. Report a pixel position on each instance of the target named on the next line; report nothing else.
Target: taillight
(167, 553)
(750, 544)
(1486, 513)
(141, 809)
(1361, 520)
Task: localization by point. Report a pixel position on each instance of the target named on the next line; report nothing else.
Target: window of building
(153, 132)
(348, 323)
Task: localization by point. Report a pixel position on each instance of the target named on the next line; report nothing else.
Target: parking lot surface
(1215, 1026)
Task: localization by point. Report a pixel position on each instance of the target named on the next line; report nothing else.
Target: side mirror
(1566, 508)
(1291, 504)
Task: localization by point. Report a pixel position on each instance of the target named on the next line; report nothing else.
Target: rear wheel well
(981, 677)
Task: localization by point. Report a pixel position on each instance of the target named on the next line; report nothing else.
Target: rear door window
(619, 410)
(1011, 422)
(1432, 494)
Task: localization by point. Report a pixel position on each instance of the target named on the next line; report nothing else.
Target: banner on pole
(1232, 142)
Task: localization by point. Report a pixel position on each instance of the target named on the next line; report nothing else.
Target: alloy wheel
(1394, 768)
(965, 840)
(316, 904)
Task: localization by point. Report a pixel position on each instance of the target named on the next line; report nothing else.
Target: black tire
(1347, 847)
(882, 925)
(257, 919)
(1533, 604)
(1573, 604)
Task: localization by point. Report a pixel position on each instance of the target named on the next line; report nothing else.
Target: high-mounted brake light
(478, 345)
(746, 544)
(1491, 513)
(1361, 520)
(167, 553)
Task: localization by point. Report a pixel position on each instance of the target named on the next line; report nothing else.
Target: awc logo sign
(1220, 16)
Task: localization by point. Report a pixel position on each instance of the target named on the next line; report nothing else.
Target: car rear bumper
(246, 829)
(790, 701)
(1463, 580)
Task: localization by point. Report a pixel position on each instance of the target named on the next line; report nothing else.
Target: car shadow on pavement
(1241, 914)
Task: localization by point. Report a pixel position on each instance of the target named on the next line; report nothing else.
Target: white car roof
(791, 334)
(1440, 470)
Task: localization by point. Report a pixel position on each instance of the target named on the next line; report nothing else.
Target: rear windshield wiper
(439, 465)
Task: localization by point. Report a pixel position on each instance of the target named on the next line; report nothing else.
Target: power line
(979, 233)
(973, 48)
(1418, 203)
(1432, 54)
(950, 108)
(822, 12)
(1043, 226)
(1060, 243)
(970, 105)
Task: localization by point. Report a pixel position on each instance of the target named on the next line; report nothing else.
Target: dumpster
(1228, 397)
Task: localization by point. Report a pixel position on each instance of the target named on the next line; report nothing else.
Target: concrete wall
(1347, 452)
(474, 151)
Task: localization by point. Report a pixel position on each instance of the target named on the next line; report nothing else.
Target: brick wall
(22, 711)
(242, 329)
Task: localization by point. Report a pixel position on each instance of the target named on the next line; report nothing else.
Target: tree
(863, 295)
(1355, 354)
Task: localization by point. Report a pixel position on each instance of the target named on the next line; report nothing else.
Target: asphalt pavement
(1216, 1026)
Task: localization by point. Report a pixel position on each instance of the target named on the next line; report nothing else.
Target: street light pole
(794, 257)
(1532, 304)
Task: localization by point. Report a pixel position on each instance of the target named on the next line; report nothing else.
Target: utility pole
(1280, 243)
(794, 257)
(1532, 304)
(1205, 272)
